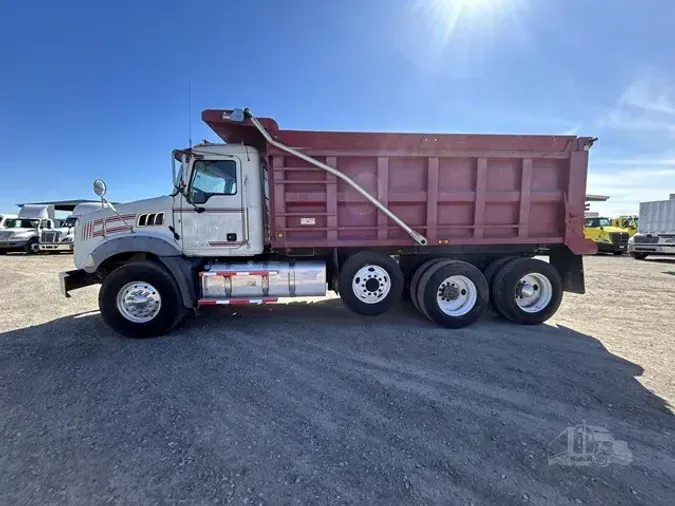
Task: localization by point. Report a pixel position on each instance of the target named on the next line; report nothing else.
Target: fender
(130, 243)
(182, 269)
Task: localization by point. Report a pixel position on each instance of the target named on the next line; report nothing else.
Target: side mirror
(99, 187)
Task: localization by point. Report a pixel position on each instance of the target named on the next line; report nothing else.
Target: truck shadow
(402, 391)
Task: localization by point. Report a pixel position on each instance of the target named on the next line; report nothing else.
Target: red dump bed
(456, 189)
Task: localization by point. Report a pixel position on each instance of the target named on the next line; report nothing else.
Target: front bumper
(610, 247)
(13, 245)
(652, 249)
(73, 280)
(67, 246)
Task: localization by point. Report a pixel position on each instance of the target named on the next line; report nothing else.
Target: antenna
(190, 111)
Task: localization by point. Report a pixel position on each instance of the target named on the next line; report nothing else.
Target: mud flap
(570, 267)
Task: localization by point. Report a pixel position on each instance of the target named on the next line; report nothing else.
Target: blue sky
(101, 89)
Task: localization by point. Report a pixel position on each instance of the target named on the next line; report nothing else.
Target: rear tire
(453, 293)
(415, 280)
(527, 291)
(370, 283)
(140, 299)
(491, 270)
(617, 253)
(639, 256)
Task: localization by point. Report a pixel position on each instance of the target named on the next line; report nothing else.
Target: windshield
(21, 223)
(69, 222)
(598, 222)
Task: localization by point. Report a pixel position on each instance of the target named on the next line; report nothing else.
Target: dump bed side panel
(459, 197)
(456, 189)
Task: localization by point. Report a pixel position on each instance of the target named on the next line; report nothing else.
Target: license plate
(669, 249)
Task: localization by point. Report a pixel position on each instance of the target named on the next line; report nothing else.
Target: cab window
(213, 177)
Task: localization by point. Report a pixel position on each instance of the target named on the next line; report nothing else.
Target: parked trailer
(656, 230)
(451, 221)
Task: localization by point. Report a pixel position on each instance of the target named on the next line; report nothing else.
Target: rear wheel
(617, 253)
(639, 256)
(140, 299)
(370, 283)
(527, 291)
(32, 247)
(453, 293)
(494, 268)
(415, 280)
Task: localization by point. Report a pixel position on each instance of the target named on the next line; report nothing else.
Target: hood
(146, 205)
(612, 230)
(6, 233)
(155, 204)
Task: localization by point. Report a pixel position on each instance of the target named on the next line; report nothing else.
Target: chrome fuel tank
(290, 278)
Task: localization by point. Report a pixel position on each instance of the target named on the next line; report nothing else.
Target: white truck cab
(216, 210)
(4, 218)
(23, 232)
(62, 237)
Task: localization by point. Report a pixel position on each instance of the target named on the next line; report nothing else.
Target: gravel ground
(298, 404)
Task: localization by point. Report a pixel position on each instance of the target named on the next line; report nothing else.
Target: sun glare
(457, 36)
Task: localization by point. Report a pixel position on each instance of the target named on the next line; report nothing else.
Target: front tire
(140, 299)
(527, 291)
(32, 247)
(370, 283)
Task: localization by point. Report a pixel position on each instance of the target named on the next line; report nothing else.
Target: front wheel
(140, 299)
(527, 291)
(32, 247)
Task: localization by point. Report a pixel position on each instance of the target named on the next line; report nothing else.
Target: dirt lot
(298, 404)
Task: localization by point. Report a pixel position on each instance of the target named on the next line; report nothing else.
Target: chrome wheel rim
(371, 284)
(456, 295)
(139, 302)
(534, 292)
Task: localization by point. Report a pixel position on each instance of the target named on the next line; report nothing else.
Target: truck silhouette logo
(587, 445)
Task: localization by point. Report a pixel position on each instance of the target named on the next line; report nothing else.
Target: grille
(646, 239)
(49, 237)
(619, 237)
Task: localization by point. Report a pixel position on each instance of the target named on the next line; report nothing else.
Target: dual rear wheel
(453, 293)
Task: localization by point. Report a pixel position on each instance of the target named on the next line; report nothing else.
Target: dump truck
(450, 221)
(656, 230)
(23, 232)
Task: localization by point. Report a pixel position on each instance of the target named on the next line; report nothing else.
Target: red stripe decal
(207, 302)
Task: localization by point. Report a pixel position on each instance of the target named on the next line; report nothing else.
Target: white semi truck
(62, 237)
(656, 230)
(23, 232)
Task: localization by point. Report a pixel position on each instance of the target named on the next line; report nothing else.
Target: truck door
(213, 217)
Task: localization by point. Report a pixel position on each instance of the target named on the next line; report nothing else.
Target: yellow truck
(628, 222)
(610, 239)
